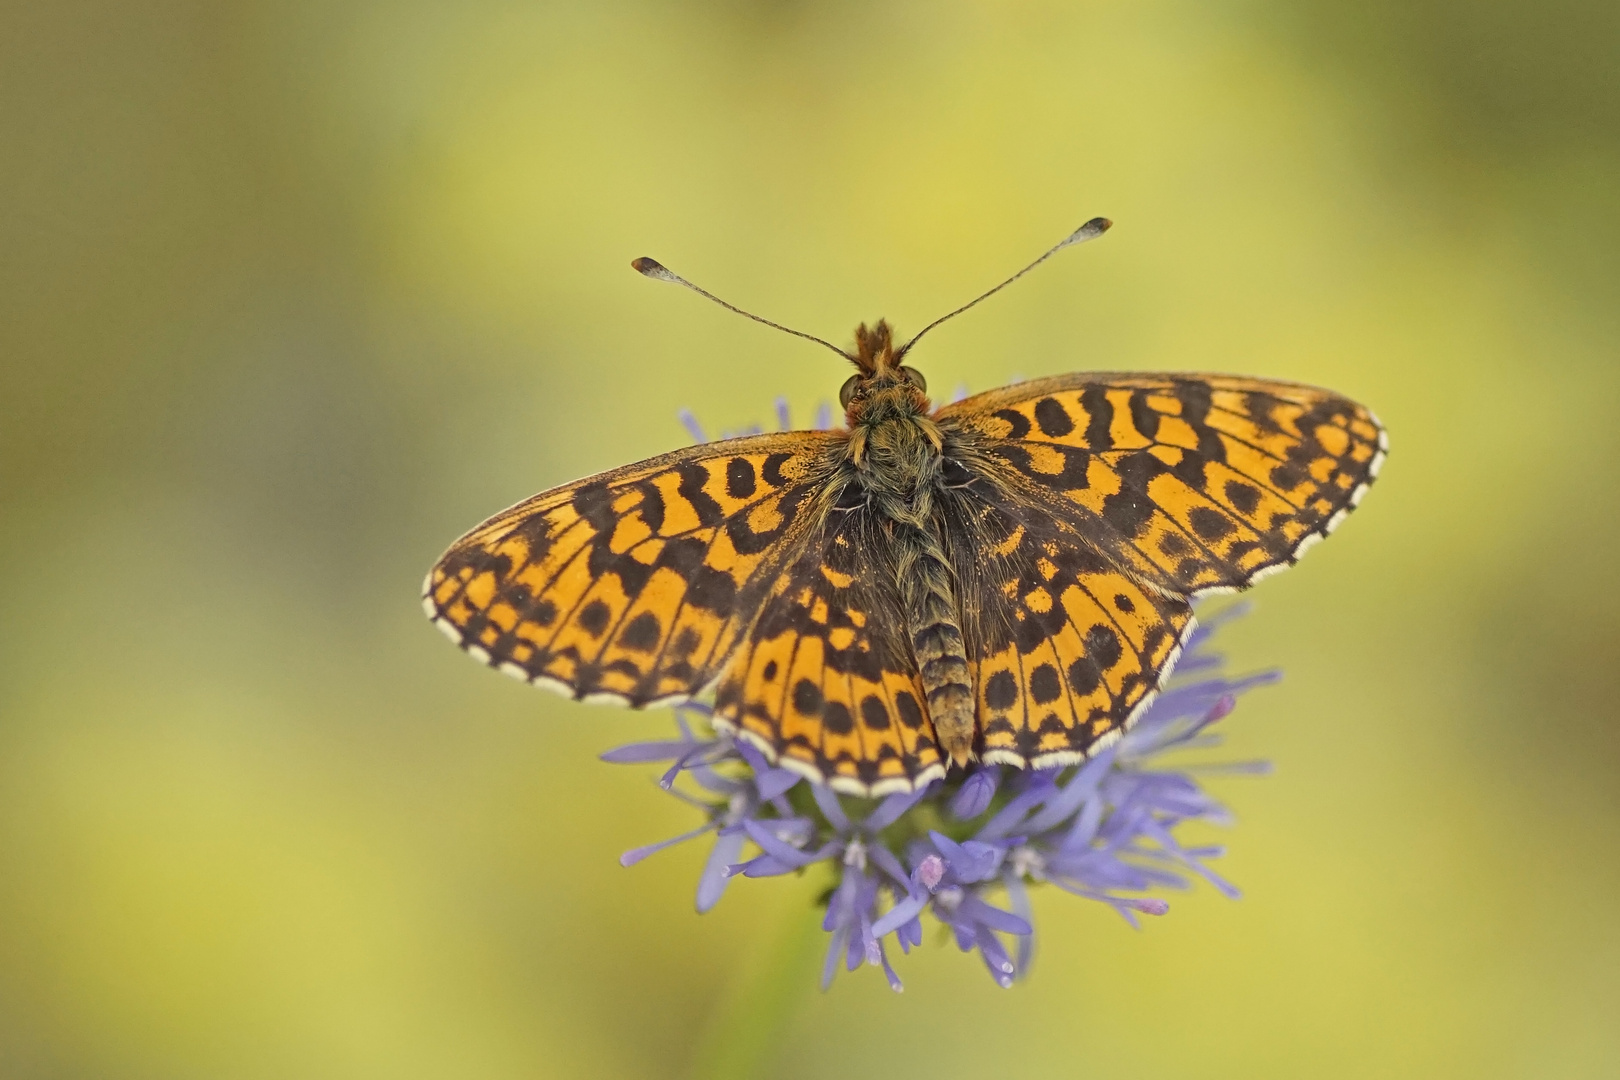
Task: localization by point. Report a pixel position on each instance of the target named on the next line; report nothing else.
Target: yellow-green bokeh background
(293, 293)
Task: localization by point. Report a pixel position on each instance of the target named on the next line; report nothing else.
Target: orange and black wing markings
(826, 684)
(1066, 647)
(635, 585)
(1196, 483)
(1080, 515)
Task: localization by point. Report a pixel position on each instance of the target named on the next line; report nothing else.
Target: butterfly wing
(1081, 513)
(826, 684)
(637, 584)
(1085, 511)
(1066, 648)
(1194, 483)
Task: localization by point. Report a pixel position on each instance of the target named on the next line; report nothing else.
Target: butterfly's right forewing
(1193, 482)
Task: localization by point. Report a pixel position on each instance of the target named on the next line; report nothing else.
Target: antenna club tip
(1089, 231)
(650, 268)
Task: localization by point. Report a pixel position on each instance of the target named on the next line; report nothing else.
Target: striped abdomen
(929, 598)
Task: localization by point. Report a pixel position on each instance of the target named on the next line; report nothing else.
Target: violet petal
(712, 882)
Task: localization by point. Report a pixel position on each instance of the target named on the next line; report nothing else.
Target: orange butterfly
(1006, 578)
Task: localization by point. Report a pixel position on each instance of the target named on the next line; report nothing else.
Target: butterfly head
(881, 384)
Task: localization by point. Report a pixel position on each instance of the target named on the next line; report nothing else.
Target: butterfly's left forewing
(636, 584)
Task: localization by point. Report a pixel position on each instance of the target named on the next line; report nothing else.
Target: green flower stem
(745, 1031)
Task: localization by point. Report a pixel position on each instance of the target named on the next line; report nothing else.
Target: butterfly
(1008, 578)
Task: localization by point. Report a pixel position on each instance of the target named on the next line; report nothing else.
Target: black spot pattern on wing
(1067, 647)
(825, 680)
(638, 583)
(1192, 482)
(1078, 516)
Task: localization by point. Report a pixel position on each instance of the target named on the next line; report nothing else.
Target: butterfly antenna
(654, 269)
(1089, 231)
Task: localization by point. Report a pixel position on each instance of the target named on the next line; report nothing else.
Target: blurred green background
(291, 294)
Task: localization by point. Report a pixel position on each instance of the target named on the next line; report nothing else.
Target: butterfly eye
(915, 376)
(846, 393)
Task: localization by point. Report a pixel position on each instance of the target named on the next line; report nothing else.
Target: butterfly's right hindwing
(1066, 649)
(639, 583)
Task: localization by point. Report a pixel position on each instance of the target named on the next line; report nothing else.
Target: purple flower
(734, 801)
(821, 422)
(965, 850)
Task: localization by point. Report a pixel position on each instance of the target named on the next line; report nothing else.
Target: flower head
(965, 851)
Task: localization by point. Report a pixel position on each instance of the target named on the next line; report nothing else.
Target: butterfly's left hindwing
(826, 684)
(636, 584)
